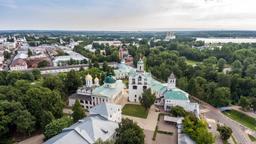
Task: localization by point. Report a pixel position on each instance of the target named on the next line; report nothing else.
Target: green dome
(140, 62)
(109, 79)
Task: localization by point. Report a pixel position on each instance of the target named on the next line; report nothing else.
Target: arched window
(139, 79)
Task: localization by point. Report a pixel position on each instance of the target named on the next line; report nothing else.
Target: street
(214, 113)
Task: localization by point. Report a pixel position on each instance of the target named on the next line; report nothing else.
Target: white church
(167, 94)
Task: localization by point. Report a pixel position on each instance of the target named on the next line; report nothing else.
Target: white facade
(138, 82)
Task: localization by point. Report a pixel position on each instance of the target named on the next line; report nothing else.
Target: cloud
(128, 14)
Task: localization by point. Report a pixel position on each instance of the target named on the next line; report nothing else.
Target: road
(214, 113)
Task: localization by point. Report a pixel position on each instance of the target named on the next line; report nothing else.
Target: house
(18, 64)
(64, 60)
(98, 125)
(109, 111)
(110, 43)
(92, 94)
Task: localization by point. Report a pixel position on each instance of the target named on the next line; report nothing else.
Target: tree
(99, 141)
(197, 130)
(221, 96)
(129, 132)
(244, 102)
(178, 111)
(36, 73)
(78, 111)
(225, 132)
(53, 82)
(237, 67)
(56, 126)
(29, 53)
(72, 82)
(43, 63)
(251, 71)
(253, 104)
(25, 122)
(147, 99)
(221, 63)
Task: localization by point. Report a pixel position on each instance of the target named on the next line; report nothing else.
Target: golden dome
(88, 77)
(96, 79)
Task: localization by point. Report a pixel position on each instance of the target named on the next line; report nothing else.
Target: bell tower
(171, 82)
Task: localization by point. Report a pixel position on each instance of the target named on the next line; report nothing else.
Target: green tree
(78, 111)
(53, 83)
(147, 99)
(43, 63)
(25, 122)
(178, 111)
(56, 126)
(221, 63)
(99, 141)
(129, 132)
(244, 102)
(36, 73)
(225, 132)
(29, 53)
(251, 71)
(72, 82)
(237, 67)
(221, 96)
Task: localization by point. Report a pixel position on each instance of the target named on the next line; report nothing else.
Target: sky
(127, 15)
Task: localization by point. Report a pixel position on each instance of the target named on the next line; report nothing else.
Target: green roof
(109, 79)
(140, 62)
(175, 95)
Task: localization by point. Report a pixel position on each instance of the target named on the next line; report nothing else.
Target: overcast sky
(127, 14)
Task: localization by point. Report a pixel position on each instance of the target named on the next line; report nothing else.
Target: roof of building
(109, 79)
(140, 61)
(80, 97)
(87, 131)
(172, 76)
(106, 110)
(176, 94)
(109, 92)
(18, 62)
(96, 79)
(185, 139)
(177, 120)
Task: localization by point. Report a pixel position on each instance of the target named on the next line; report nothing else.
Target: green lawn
(252, 138)
(191, 62)
(135, 110)
(242, 118)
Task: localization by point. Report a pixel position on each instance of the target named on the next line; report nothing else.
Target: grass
(135, 110)
(191, 62)
(242, 118)
(252, 138)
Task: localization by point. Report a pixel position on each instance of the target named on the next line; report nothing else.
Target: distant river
(227, 40)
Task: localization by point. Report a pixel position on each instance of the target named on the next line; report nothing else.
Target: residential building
(110, 43)
(18, 64)
(98, 125)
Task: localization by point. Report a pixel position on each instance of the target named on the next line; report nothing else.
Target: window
(133, 81)
(134, 87)
(135, 95)
(144, 87)
(81, 101)
(139, 79)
